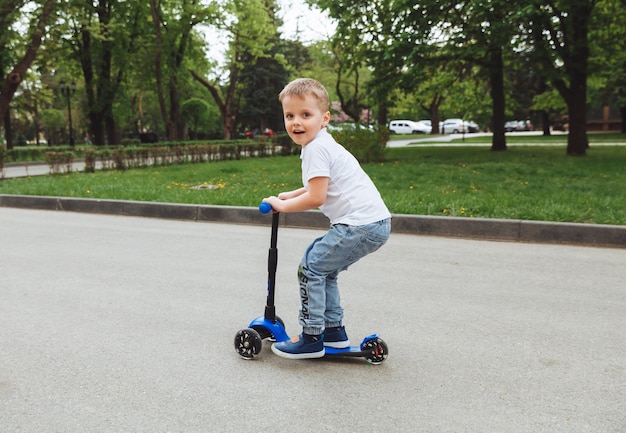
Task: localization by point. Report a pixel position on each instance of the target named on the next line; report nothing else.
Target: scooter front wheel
(376, 350)
(248, 343)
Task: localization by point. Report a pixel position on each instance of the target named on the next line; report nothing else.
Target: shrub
(90, 160)
(119, 159)
(366, 145)
(58, 161)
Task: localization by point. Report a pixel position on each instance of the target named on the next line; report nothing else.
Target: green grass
(525, 182)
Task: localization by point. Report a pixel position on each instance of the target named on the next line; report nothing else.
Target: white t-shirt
(352, 196)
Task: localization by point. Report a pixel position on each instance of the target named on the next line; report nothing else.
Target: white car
(452, 126)
(408, 127)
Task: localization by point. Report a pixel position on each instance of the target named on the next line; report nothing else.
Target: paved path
(444, 140)
(36, 169)
(125, 324)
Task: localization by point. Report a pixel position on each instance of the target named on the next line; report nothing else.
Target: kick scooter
(249, 341)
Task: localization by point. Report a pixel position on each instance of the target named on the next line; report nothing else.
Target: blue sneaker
(304, 346)
(336, 338)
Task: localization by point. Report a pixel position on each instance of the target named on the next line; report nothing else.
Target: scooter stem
(272, 260)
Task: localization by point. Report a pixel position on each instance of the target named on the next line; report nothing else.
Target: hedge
(364, 144)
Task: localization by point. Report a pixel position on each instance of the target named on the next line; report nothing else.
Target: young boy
(360, 222)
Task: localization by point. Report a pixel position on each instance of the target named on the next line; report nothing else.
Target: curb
(595, 235)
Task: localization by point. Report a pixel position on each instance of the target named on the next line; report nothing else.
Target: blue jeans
(343, 245)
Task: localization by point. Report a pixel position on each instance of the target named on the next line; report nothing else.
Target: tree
(560, 31)
(608, 54)
(251, 25)
(8, 14)
(200, 116)
(54, 122)
(362, 29)
(403, 38)
(349, 84)
(261, 80)
(173, 27)
(99, 39)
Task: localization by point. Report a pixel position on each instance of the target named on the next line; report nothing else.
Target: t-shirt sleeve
(317, 163)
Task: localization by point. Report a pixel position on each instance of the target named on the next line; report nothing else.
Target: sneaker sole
(337, 344)
(309, 355)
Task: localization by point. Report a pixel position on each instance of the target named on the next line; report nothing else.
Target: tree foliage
(252, 28)
(142, 66)
(402, 40)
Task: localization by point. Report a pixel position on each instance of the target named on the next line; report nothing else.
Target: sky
(311, 24)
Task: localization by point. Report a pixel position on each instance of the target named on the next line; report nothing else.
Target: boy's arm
(314, 197)
(291, 194)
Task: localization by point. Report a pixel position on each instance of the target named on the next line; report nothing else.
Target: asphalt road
(126, 324)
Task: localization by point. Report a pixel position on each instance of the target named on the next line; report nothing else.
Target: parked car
(518, 125)
(471, 126)
(348, 126)
(510, 126)
(452, 126)
(408, 127)
(426, 125)
(345, 126)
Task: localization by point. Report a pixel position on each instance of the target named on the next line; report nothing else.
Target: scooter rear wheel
(248, 343)
(377, 350)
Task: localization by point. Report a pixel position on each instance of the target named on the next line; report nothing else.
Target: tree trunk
(176, 130)
(496, 74)
(575, 59)
(545, 123)
(433, 113)
(382, 113)
(577, 142)
(229, 122)
(15, 77)
(158, 75)
(8, 129)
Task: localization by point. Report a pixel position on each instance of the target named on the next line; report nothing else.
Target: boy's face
(303, 118)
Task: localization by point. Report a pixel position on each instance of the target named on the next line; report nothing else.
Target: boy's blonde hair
(307, 86)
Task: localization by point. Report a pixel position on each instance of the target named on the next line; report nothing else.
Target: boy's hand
(275, 202)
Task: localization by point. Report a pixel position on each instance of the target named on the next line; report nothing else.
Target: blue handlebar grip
(265, 207)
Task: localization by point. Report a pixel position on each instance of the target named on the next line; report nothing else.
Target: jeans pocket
(377, 233)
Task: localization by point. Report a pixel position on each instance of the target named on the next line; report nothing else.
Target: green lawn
(525, 182)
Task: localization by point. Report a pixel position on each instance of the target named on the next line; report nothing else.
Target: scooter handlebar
(265, 207)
